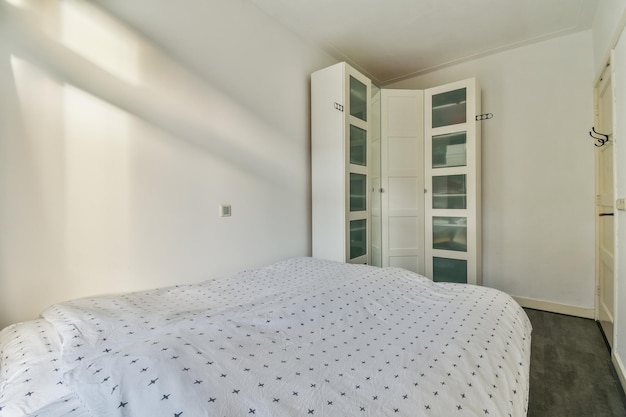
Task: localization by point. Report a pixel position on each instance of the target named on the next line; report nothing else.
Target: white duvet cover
(302, 337)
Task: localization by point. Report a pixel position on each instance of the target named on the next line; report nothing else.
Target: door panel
(605, 235)
(402, 179)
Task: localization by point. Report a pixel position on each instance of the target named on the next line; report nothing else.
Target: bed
(302, 337)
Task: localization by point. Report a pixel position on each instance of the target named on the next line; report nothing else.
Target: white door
(605, 241)
(402, 179)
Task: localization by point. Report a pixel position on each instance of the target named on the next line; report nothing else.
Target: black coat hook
(600, 138)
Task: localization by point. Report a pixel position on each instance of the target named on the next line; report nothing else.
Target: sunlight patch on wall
(35, 202)
(40, 105)
(97, 175)
(76, 174)
(100, 39)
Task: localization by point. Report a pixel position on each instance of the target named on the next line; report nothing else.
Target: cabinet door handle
(605, 214)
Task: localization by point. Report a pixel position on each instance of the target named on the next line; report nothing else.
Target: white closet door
(452, 178)
(402, 179)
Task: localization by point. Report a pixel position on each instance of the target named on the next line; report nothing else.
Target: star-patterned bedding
(302, 337)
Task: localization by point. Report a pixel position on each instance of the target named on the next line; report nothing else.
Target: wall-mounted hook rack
(485, 116)
(600, 138)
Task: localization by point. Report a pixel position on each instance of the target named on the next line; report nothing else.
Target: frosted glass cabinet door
(452, 182)
(357, 170)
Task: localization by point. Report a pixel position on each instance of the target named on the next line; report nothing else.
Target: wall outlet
(620, 203)
(225, 210)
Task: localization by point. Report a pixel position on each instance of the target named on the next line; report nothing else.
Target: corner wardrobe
(396, 175)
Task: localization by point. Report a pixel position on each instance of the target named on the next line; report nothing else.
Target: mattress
(302, 337)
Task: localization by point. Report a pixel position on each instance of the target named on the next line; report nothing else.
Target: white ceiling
(386, 39)
(393, 39)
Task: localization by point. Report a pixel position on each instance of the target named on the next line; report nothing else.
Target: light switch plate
(620, 203)
(225, 210)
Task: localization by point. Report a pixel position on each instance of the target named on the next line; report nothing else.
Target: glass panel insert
(358, 146)
(358, 238)
(449, 192)
(450, 233)
(449, 150)
(449, 270)
(449, 108)
(358, 99)
(358, 192)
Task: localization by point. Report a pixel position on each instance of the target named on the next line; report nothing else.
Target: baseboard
(619, 370)
(587, 313)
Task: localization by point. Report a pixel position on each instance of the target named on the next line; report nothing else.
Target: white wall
(114, 157)
(538, 196)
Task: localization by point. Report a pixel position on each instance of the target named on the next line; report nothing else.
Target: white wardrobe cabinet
(430, 181)
(397, 183)
(340, 108)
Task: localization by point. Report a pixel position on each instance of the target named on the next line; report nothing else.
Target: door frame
(603, 82)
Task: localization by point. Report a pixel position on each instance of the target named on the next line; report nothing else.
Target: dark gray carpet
(570, 369)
